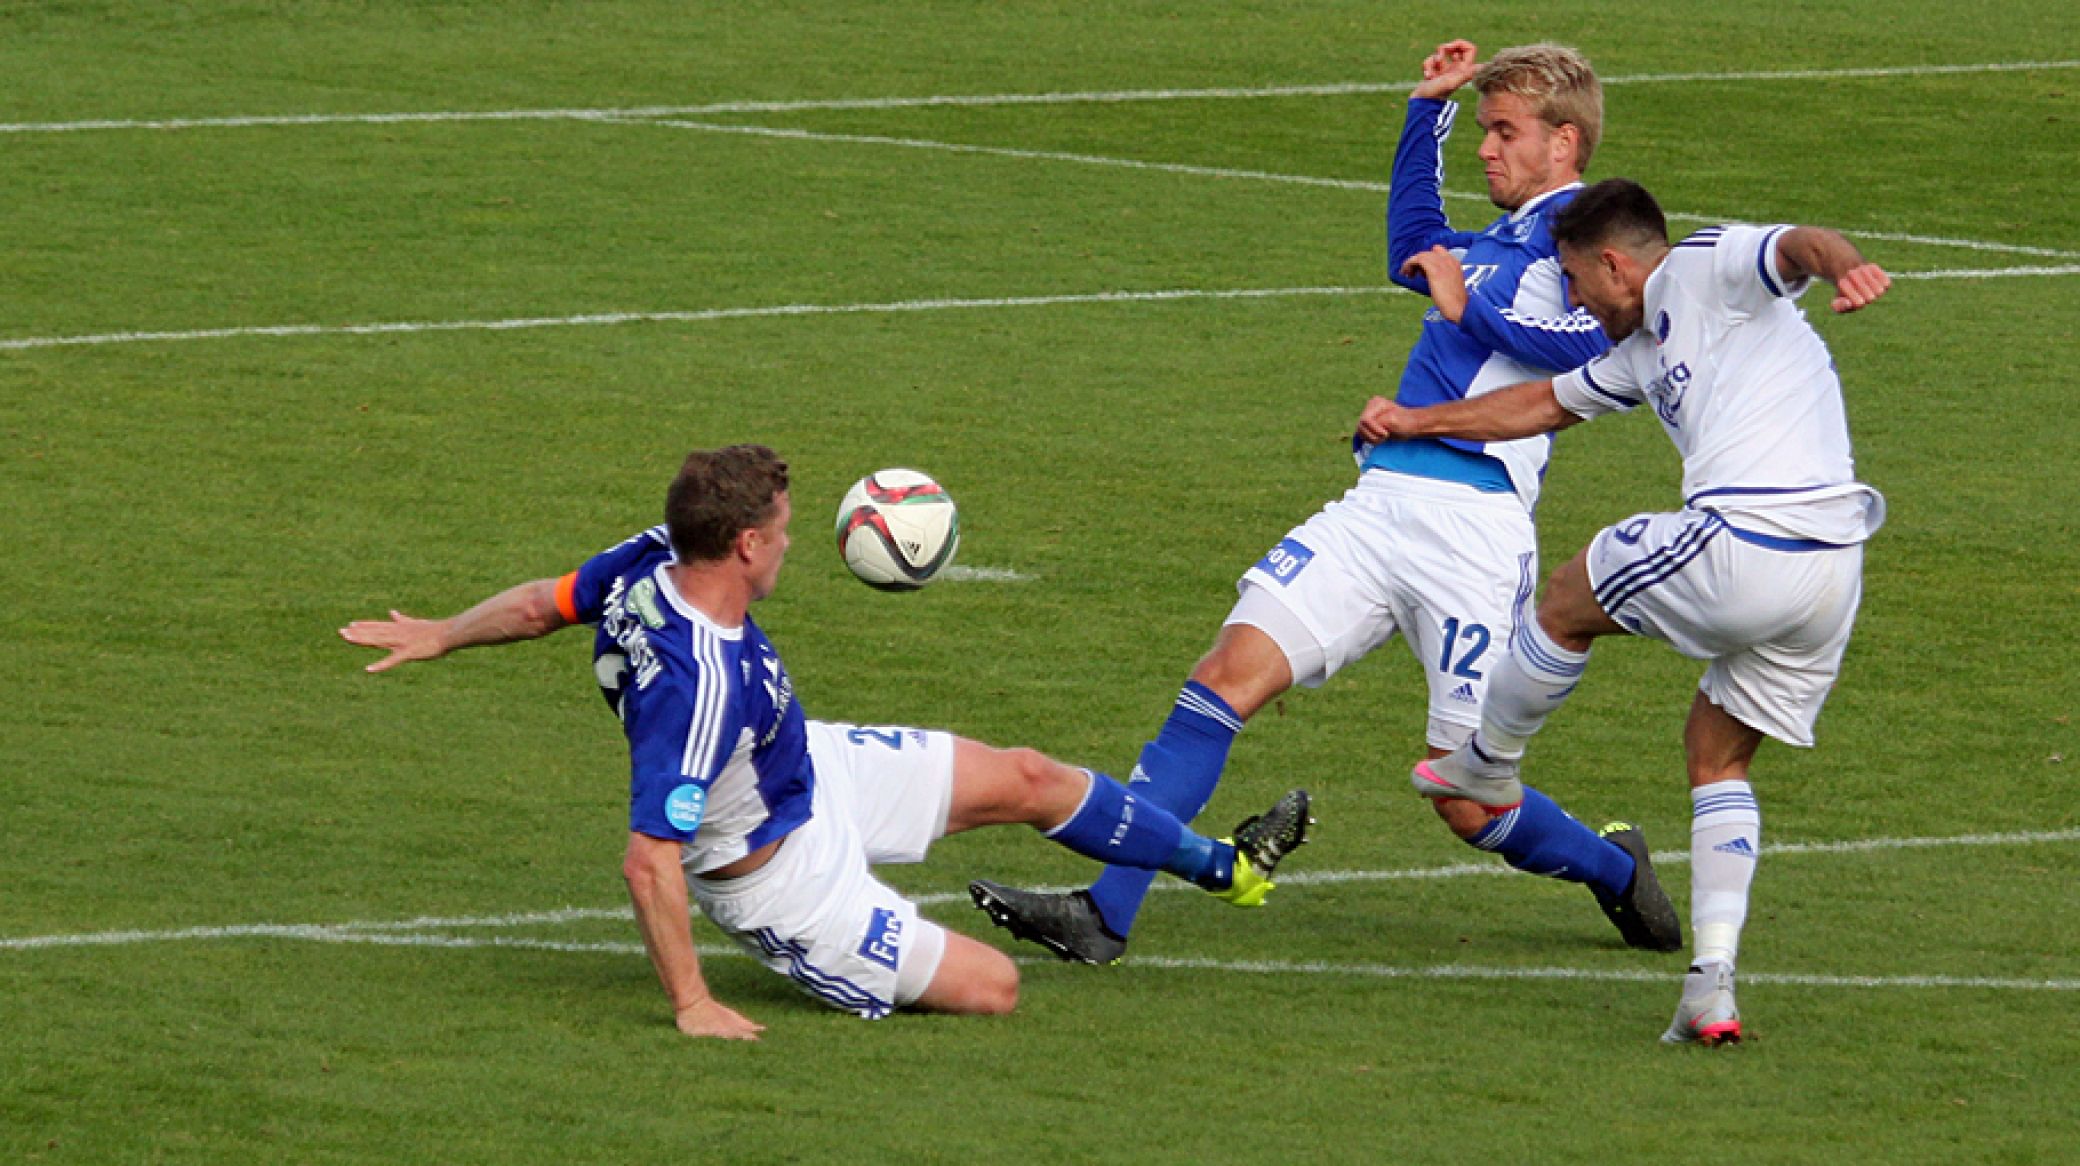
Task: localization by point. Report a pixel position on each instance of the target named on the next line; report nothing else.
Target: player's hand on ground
(1859, 286)
(1378, 420)
(404, 637)
(713, 1018)
(1444, 71)
(1447, 278)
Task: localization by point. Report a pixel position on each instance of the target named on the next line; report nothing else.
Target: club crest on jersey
(1662, 327)
(884, 941)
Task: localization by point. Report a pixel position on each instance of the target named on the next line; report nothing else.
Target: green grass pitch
(200, 778)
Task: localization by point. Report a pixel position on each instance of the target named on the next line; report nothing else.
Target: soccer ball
(897, 529)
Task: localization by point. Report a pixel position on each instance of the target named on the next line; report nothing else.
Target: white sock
(1527, 686)
(1725, 841)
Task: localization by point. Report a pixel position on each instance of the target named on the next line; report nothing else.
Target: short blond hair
(1560, 86)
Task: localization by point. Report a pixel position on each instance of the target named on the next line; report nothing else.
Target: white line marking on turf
(1099, 97)
(1277, 967)
(1479, 972)
(1989, 272)
(1257, 176)
(343, 932)
(681, 317)
(608, 319)
(960, 574)
(1491, 867)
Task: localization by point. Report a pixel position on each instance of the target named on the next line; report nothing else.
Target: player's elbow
(1414, 283)
(538, 609)
(648, 862)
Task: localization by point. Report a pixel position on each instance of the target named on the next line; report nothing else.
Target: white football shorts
(815, 913)
(1449, 567)
(1773, 622)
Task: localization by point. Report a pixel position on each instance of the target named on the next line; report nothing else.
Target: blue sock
(1177, 771)
(1540, 838)
(1203, 862)
(1115, 826)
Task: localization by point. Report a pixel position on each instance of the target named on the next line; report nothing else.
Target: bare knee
(974, 979)
(997, 994)
(1245, 667)
(1046, 790)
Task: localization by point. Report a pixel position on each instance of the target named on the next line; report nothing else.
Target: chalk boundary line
(662, 116)
(1195, 170)
(890, 307)
(424, 931)
(1091, 97)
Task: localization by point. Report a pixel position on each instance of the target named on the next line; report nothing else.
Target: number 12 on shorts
(1473, 637)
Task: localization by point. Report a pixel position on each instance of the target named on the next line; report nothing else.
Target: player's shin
(1177, 771)
(1725, 841)
(1524, 689)
(1540, 838)
(1116, 827)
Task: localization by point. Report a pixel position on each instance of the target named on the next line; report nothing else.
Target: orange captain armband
(567, 597)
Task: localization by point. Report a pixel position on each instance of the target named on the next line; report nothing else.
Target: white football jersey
(1743, 386)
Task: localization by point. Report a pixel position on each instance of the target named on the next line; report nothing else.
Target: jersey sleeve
(581, 595)
(1604, 385)
(1555, 343)
(1415, 199)
(677, 745)
(1745, 268)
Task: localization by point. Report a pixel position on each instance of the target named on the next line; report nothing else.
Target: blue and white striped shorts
(1772, 615)
(815, 913)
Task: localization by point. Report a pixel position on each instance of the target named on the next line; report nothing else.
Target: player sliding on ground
(772, 820)
(1759, 573)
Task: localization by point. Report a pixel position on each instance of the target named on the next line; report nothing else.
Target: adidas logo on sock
(1464, 693)
(1737, 846)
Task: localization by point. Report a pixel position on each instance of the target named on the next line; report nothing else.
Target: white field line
(1275, 967)
(375, 931)
(1262, 176)
(682, 317)
(1989, 272)
(960, 574)
(607, 319)
(1479, 972)
(1097, 97)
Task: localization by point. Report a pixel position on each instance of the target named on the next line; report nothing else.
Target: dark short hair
(719, 494)
(1615, 210)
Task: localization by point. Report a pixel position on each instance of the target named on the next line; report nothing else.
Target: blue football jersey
(718, 750)
(1517, 325)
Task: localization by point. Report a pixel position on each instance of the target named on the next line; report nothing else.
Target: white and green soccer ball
(897, 529)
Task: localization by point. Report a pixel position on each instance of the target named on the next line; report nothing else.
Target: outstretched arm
(1415, 201)
(517, 613)
(657, 886)
(1522, 410)
(1817, 251)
